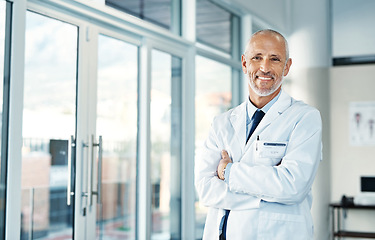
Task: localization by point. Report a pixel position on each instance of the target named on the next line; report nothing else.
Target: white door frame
(130, 29)
(13, 197)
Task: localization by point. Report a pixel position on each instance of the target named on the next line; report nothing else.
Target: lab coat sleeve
(291, 181)
(212, 191)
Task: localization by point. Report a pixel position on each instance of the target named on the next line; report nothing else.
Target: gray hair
(273, 32)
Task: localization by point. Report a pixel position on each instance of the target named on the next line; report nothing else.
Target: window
(213, 96)
(216, 27)
(117, 123)
(100, 95)
(164, 13)
(166, 145)
(49, 118)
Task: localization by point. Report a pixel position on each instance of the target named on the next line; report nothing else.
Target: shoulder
(235, 112)
(303, 107)
(305, 112)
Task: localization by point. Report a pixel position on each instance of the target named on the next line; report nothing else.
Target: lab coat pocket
(280, 226)
(269, 153)
(266, 149)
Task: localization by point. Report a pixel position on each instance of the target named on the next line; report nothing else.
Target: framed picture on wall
(362, 123)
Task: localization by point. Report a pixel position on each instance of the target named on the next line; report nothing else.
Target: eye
(256, 58)
(275, 59)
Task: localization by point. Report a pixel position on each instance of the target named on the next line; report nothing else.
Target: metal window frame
(147, 36)
(17, 49)
(5, 112)
(150, 34)
(144, 222)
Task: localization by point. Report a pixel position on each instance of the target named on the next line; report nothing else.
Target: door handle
(100, 162)
(91, 170)
(90, 191)
(71, 147)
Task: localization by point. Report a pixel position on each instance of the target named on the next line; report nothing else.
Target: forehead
(267, 44)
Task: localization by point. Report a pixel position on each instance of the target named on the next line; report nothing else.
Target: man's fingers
(224, 154)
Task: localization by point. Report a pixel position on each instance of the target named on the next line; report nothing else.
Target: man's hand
(223, 164)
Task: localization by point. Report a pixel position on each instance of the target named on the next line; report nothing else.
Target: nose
(265, 65)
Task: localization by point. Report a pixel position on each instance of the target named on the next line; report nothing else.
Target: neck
(261, 101)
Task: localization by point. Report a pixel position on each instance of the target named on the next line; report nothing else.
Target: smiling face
(265, 63)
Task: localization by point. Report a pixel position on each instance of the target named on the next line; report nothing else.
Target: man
(257, 183)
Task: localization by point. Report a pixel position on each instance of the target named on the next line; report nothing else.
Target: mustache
(264, 74)
(260, 73)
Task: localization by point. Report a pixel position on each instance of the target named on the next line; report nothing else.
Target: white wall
(350, 84)
(309, 44)
(353, 27)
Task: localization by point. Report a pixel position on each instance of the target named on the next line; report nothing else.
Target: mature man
(256, 179)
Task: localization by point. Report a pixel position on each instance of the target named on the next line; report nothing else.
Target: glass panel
(213, 96)
(117, 124)
(159, 12)
(215, 26)
(165, 146)
(49, 117)
(2, 162)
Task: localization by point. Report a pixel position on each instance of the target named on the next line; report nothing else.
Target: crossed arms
(287, 183)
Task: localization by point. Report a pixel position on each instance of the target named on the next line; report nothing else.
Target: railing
(45, 214)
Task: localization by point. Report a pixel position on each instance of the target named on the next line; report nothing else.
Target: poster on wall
(362, 123)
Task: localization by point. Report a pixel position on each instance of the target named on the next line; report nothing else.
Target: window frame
(5, 113)
(148, 36)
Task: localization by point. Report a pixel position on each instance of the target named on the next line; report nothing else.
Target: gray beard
(266, 92)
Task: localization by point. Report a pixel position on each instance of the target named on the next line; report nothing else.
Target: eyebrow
(272, 55)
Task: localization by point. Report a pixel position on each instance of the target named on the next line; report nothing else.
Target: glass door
(49, 125)
(117, 125)
(165, 129)
(79, 150)
(116, 122)
(80, 134)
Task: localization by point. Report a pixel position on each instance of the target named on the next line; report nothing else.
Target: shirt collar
(251, 108)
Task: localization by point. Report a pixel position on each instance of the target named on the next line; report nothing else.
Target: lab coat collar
(283, 103)
(238, 121)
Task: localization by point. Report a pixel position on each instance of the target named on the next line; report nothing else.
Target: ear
(243, 63)
(287, 66)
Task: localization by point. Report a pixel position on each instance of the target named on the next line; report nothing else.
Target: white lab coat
(267, 202)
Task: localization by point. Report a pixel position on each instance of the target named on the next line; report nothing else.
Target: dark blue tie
(257, 117)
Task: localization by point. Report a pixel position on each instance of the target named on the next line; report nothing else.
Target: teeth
(265, 78)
